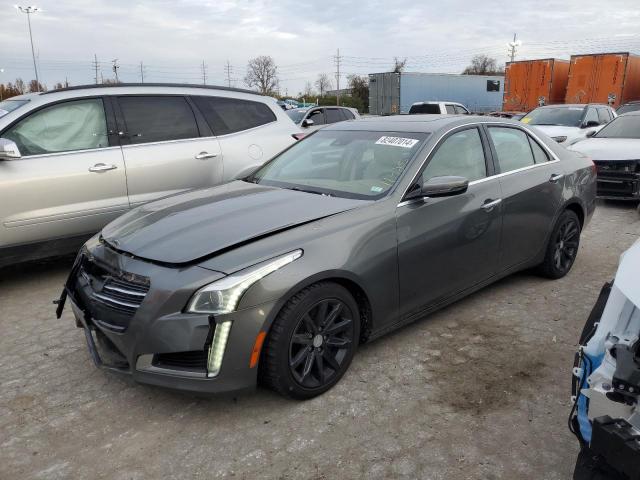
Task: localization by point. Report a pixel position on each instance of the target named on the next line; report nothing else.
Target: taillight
(299, 136)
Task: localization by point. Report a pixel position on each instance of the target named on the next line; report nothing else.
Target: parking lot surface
(479, 390)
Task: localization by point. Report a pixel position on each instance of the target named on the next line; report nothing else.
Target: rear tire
(562, 248)
(311, 342)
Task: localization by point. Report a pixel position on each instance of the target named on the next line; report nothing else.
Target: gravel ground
(479, 390)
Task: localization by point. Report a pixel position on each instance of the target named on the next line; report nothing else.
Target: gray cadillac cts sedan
(358, 229)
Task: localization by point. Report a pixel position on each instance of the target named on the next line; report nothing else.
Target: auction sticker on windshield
(397, 142)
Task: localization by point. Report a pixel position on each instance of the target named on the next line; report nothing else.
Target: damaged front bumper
(132, 315)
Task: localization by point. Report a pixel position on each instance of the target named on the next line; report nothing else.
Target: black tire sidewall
(289, 320)
(549, 265)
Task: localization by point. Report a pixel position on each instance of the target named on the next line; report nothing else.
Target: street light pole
(29, 11)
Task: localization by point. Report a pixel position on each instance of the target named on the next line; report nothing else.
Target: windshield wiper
(298, 189)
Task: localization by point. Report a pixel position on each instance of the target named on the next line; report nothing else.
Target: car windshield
(627, 126)
(350, 164)
(423, 108)
(629, 107)
(296, 115)
(10, 105)
(565, 116)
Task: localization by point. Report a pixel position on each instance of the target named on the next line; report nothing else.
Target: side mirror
(591, 133)
(590, 123)
(9, 150)
(439, 187)
(307, 122)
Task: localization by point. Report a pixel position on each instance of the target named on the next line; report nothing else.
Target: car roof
(415, 123)
(575, 105)
(168, 85)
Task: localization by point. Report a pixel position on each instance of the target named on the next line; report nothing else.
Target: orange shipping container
(527, 81)
(594, 78)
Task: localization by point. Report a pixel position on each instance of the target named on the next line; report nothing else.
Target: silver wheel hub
(317, 341)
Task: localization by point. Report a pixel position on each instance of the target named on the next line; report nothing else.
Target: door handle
(205, 155)
(101, 167)
(489, 205)
(555, 177)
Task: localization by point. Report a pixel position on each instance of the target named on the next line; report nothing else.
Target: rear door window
(333, 115)
(230, 115)
(512, 147)
(157, 118)
(539, 155)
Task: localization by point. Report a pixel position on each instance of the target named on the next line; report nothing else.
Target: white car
(438, 108)
(568, 124)
(616, 152)
(72, 160)
(313, 118)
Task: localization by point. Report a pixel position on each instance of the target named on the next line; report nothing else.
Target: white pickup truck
(438, 108)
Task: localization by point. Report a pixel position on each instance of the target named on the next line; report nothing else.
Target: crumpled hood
(609, 148)
(188, 227)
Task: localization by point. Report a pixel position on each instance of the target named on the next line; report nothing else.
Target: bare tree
(323, 83)
(308, 90)
(19, 85)
(35, 86)
(399, 65)
(262, 74)
(483, 65)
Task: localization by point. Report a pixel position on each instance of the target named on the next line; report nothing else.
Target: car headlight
(223, 296)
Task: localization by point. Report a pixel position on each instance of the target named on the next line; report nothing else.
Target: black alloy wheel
(320, 343)
(311, 342)
(563, 246)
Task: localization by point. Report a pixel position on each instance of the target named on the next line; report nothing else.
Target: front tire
(562, 247)
(311, 342)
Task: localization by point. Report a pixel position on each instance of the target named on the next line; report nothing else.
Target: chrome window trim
(66, 152)
(543, 145)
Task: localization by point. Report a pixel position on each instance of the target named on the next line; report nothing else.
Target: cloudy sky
(174, 38)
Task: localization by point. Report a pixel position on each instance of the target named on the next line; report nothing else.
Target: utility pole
(513, 47)
(141, 72)
(96, 65)
(115, 68)
(204, 73)
(29, 11)
(338, 59)
(228, 70)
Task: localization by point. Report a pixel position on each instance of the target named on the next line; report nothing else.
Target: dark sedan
(357, 230)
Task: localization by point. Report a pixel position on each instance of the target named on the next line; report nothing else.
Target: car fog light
(217, 348)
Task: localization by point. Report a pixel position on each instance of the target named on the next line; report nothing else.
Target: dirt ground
(479, 390)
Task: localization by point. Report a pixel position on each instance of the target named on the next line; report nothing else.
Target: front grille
(111, 296)
(193, 361)
(618, 178)
(120, 295)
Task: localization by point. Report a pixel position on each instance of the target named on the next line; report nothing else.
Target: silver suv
(72, 160)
